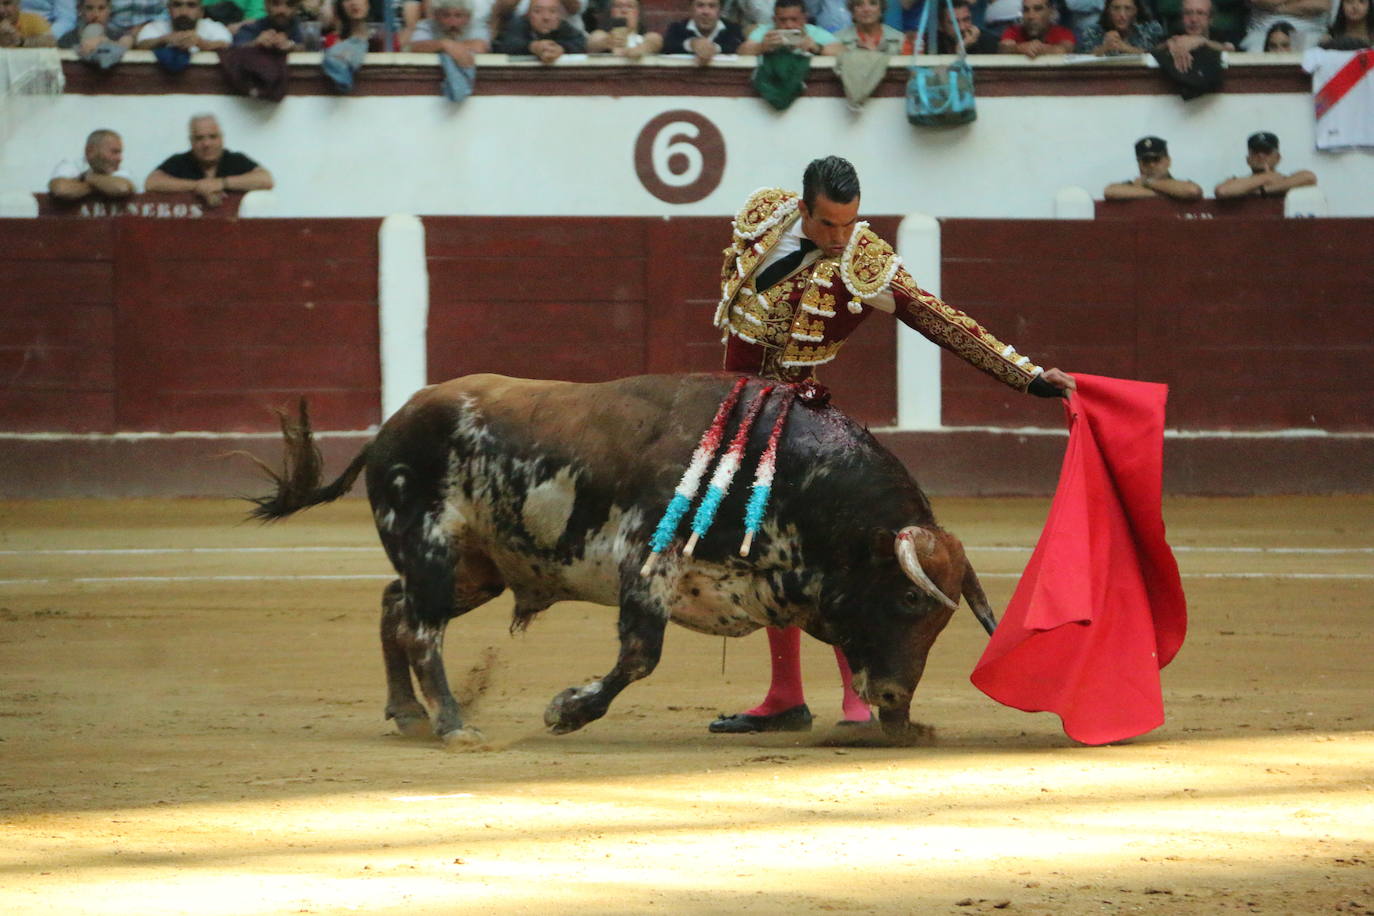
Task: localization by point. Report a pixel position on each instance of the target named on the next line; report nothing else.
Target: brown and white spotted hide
(552, 490)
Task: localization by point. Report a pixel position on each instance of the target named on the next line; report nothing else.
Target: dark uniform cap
(1150, 146)
(1262, 142)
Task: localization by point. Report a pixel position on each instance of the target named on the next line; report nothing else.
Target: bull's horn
(912, 544)
(977, 600)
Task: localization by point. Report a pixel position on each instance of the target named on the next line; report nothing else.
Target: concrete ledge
(947, 463)
(1014, 463)
(600, 74)
(138, 466)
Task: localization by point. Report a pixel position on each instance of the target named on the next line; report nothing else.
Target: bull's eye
(913, 597)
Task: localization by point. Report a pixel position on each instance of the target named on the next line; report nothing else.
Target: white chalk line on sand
(970, 548)
(380, 577)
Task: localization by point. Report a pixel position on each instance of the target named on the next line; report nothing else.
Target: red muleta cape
(1100, 608)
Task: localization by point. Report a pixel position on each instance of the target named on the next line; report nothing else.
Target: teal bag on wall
(940, 96)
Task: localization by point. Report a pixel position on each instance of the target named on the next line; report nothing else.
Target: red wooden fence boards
(134, 324)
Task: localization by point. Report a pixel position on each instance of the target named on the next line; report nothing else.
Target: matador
(800, 274)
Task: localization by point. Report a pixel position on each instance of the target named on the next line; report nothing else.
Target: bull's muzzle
(892, 700)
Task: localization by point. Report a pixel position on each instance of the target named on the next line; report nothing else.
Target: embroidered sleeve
(960, 334)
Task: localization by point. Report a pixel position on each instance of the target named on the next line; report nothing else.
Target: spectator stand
(499, 74)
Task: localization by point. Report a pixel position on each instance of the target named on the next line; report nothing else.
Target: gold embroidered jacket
(801, 322)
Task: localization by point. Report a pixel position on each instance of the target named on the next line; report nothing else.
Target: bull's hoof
(463, 739)
(896, 729)
(413, 723)
(902, 730)
(912, 731)
(570, 710)
(897, 724)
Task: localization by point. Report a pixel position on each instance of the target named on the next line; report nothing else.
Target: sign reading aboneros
(146, 205)
(680, 157)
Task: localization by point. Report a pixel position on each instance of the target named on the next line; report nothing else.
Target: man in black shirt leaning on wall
(703, 34)
(207, 169)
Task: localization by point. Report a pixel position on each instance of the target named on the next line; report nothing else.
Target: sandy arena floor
(190, 722)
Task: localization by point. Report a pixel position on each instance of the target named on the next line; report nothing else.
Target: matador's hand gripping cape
(801, 322)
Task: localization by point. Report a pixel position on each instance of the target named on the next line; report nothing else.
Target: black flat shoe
(796, 719)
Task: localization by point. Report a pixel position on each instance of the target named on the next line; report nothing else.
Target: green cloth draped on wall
(781, 76)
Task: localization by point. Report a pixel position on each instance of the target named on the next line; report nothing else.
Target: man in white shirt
(452, 29)
(98, 173)
(186, 28)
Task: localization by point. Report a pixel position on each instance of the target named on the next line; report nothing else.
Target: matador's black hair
(832, 176)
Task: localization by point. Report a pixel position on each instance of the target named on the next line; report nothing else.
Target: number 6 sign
(680, 157)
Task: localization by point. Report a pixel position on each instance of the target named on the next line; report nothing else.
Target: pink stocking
(785, 689)
(855, 709)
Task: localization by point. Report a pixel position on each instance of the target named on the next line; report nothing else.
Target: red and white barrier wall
(132, 344)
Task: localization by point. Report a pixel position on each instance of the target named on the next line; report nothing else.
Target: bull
(552, 489)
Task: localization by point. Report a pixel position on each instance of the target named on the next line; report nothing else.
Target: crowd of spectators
(548, 29)
(458, 30)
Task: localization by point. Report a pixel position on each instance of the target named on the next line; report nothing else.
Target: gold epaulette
(867, 265)
(764, 209)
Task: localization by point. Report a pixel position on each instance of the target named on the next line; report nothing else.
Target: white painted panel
(918, 360)
(403, 302)
(1074, 203)
(574, 155)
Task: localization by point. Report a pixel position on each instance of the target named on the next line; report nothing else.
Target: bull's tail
(977, 600)
(298, 483)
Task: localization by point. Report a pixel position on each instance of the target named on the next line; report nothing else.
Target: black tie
(783, 266)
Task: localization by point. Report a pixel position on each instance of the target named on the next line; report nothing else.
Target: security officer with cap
(1154, 180)
(1264, 180)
